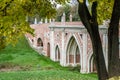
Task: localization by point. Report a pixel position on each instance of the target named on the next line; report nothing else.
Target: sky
(73, 2)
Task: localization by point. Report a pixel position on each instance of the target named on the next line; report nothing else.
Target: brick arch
(41, 37)
(57, 53)
(71, 50)
(39, 42)
(76, 39)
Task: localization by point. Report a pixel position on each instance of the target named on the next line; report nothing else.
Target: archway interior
(92, 64)
(39, 42)
(57, 53)
(73, 52)
(48, 49)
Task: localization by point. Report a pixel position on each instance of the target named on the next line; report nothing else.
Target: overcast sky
(74, 2)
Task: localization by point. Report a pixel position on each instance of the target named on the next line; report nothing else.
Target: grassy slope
(34, 66)
(22, 55)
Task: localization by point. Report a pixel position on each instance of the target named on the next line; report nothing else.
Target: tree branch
(84, 15)
(94, 11)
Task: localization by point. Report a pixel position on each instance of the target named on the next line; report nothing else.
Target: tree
(68, 9)
(90, 20)
(13, 14)
(59, 13)
(73, 11)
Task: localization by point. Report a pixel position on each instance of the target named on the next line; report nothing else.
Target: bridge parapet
(65, 36)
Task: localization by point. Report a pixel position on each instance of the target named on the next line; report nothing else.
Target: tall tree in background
(74, 13)
(102, 10)
(68, 9)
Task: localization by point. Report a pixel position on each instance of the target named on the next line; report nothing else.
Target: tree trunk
(90, 23)
(98, 54)
(113, 41)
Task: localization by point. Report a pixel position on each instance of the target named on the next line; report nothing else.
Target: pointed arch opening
(77, 55)
(92, 65)
(73, 52)
(57, 53)
(48, 49)
(39, 42)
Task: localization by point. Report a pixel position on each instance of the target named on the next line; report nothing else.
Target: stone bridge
(68, 43)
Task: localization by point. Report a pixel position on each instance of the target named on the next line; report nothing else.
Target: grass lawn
(23, 63)
(46, 75)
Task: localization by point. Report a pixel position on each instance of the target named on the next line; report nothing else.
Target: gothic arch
(73, 51)
(68, 40)
(91, 63)
(57, 53)
(39, 42)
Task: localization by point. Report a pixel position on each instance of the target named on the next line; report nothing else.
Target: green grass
(23, 63)
(46, 75)
(22, 55)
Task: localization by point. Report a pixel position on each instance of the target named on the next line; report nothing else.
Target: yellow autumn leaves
(81, 1)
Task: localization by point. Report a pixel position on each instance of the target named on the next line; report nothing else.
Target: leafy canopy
(104, 9)
(13, 14)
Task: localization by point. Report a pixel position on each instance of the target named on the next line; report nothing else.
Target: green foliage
(74, 12)
(67, 9)
(61, 1)
(26, 58)
(32, 66)
(13, 16)
(12, 21)
(64, 9)
(59, 13)
(46, 75)
(4, 57)
(104, 9)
